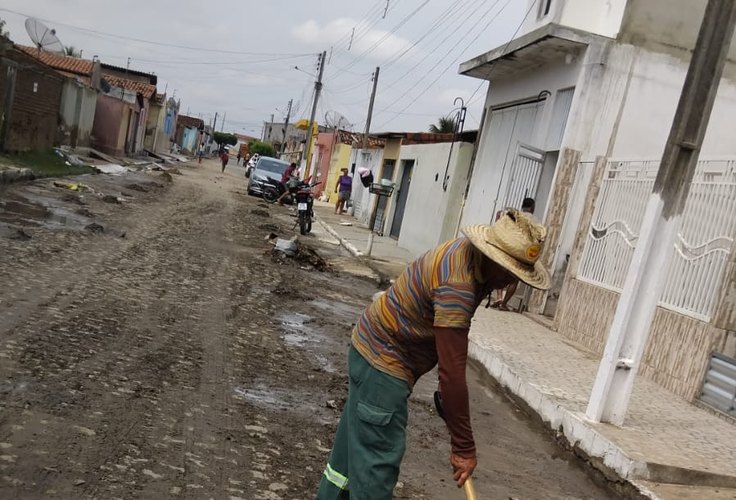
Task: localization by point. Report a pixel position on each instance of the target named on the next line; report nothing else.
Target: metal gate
(719, 386)
(525, 174)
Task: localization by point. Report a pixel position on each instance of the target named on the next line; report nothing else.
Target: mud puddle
(298, 332)
(283, 399)
(347, 311)
(38, 211)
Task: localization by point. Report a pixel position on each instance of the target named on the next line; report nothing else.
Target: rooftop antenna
(43, 37)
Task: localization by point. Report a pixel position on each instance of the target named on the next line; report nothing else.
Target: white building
(580, 102)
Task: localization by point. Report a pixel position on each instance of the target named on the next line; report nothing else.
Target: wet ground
(152, 347)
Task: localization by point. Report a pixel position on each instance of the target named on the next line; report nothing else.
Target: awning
(548, 44)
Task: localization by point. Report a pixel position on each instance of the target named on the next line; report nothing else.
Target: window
(544, 8)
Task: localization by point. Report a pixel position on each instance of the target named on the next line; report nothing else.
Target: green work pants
(371, 437)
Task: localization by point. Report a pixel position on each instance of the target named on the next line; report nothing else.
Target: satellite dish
(43, 37)
(333, 119)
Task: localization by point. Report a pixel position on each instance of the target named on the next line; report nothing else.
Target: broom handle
(470, 490)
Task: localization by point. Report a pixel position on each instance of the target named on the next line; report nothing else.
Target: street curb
(345, 243)
(12, 174)
(579, 433)
(602, 454)
(383, 279)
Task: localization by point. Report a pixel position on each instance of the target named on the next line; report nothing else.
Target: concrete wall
(602, 17)
(78, 105)
(189, 139)
(34, 115)
(626, 101)
(340, 159)
(667, 26)
(431, 214)
(110, 113)
(154, 123)
(322, 159)
(372, 159)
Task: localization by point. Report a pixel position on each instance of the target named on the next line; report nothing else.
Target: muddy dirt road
(169, 356)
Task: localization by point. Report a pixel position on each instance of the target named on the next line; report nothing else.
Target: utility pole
(214, 126)
(609, 399)
(286, 126)
(222, 126)
(374, 203)
(317, 90)
(270, 130)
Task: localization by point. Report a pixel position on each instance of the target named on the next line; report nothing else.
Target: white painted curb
(575, 427)
(345, 243)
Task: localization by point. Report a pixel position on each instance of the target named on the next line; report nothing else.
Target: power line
(406, 19)
(442, 17)
(359, 32)
(153, 42)
(531, 7)
(439, 61)
(451, 10)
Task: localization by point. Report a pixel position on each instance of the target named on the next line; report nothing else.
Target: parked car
(265, 168)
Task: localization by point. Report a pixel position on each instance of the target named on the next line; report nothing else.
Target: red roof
(60, 62)
(146, 89)
(189, 121)
(246, 138)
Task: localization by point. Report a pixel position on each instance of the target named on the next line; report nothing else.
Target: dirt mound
(260, 212)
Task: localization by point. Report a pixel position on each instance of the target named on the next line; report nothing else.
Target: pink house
(322, 157)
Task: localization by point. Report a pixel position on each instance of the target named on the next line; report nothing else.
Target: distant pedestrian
(239, 157)
(224, 158)
(504, 295)
(200, 154)
(343, 188)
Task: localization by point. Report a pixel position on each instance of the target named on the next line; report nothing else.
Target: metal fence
(704, 240)
(525, 173)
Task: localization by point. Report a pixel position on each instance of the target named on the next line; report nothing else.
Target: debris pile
(294, 251)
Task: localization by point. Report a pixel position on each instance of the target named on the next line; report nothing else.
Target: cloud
(337, 32)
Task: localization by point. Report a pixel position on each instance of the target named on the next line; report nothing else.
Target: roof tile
(69, 64)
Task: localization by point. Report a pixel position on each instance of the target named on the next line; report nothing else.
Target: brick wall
(34, 122)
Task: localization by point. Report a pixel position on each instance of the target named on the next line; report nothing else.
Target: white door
(504, 131)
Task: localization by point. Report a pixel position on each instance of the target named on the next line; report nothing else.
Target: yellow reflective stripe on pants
(336, 478)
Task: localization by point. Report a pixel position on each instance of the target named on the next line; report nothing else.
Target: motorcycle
(301, 194)
(305, 207)
(272, 191)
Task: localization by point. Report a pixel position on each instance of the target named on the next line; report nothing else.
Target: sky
(237, 58)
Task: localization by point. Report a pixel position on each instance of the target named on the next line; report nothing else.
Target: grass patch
(45, 163)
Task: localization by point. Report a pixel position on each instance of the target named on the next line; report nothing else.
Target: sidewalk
(669, 448)
(387, 259)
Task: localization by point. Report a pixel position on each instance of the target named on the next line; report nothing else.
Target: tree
(70, 50)
(261, 148)
(445, 125)
(223, 138)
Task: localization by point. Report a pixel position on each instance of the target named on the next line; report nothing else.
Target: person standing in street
(423, 320)
(238, 158)
(505, 295)
(200, 154)
(224, 158)
(343, 188)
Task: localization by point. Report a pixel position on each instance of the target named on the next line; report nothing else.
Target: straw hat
(515, 242)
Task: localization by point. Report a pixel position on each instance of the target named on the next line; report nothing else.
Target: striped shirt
(441, 289)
